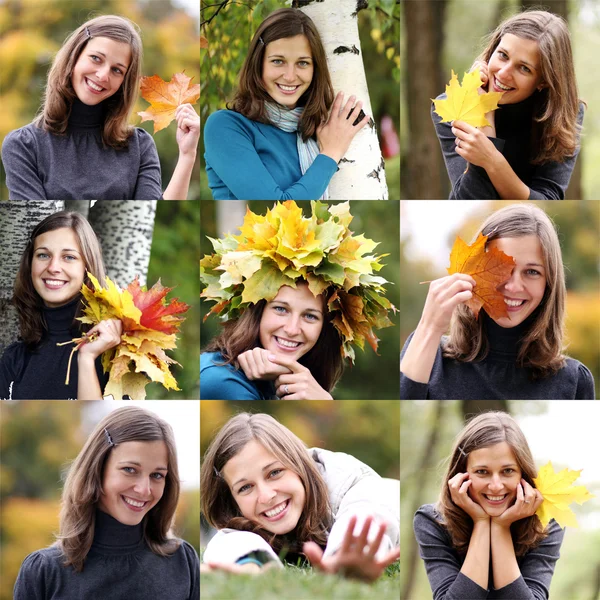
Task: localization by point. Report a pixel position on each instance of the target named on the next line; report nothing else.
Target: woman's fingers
(348, 536)
(314, 554)
(374, 546)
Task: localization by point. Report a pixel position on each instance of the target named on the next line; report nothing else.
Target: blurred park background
(425, 245)
(32, 31)
(440, 35)
(372, 377)
(228, 36)
(39, 439)
(563, 432)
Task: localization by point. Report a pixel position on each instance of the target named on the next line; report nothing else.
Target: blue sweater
(225, 382)
(247, 160)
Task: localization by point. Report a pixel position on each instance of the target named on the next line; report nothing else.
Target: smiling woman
(517, 356)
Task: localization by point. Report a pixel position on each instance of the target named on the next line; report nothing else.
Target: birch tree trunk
(230, 216)
(361, 174)
(124, 228)
(17, 219)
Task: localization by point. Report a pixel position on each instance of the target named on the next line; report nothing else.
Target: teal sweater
(247, 160)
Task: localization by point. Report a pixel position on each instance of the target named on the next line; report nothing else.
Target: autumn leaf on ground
(165, 97)
(489, 269)
(558, 492)
(466, 103)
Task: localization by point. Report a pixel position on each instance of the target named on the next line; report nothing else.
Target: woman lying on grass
(271, 497)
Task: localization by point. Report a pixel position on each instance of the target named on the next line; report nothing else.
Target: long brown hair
(59, 95)
(483, 431)
(83, 485)
(556, 106)
(324, 360)
(218, 505)
(541, 348)
(251, 95)
(26, 300)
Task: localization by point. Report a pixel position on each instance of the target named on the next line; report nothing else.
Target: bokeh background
(228, 36)
(32, 31)
(39, 439)
(372, 377)
(447, 34)
(425, 245)
(563, 432)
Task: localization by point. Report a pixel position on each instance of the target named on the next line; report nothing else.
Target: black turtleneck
(40, 374)
(78, 166)
(514, 123)
(497, 376)
(119, 566)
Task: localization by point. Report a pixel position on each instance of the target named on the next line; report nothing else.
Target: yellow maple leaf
(466, 103)
(558, 492)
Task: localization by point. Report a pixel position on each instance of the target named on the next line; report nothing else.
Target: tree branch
(222, 5)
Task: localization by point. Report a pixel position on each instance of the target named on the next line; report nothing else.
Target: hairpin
(108, 438)
(261, 40)
(462, 451)
(216, 472)
(87, 31)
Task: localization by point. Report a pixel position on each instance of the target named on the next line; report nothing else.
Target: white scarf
(288, 120)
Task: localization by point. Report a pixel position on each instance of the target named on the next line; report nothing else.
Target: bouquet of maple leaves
(150, 325)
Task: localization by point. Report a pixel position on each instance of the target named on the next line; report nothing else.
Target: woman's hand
(459, 492)
(445, 294)
(188, 129)
(298, 383)
(356, 556)
(483, 72)
(474, 145)
(528, 501)
(108, 335)
(256, 365)
(335, 135)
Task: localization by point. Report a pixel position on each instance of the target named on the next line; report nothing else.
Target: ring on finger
(286, 390)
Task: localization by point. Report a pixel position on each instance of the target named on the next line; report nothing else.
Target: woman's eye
(304, 63)
(532, 272)
(129, 470)
(117, 70)
(71, 257)
(526, 69)
(244, 488)
(509, 471)
(41, 255)
(502, 54)
(157, 476)
(277, 61)
(94, 57)
(280, 309)
(275, 472)
(480, 472)
(311, 317)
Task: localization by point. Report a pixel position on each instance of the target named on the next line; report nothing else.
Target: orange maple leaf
(165, 97)
(489, 269)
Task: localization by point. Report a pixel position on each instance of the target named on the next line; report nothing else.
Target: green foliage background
(32, 31)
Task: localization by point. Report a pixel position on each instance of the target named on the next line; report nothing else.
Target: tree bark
(361, 174)
(17, 220)
(424, 166)
(124, 228)
(230, 216)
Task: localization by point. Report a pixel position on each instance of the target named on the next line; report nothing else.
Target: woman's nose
(514, 284)
(142, 487)
(102, 72)
(265, 494)
(54, 265)
(290, 73)
(496, 484)
(292, 326)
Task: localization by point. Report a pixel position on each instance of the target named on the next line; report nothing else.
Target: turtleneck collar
(87, 117)
(517, 114)
(112, 536)
(60, 319)
(504, 342)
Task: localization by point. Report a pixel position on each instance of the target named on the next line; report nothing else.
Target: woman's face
(100, 69)
(57, 266)
(514, 68)
(134, 480)
(265, 491)
(525, 289)
(495, 475)
(291, 323)
(287, 69)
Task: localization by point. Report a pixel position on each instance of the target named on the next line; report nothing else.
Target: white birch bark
(17, 220)
(124, 228)
(230, 216)
(361, 174)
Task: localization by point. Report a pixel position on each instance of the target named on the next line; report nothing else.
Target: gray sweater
(548, 181)
(119, 566)
(43, 166)
(443, 564)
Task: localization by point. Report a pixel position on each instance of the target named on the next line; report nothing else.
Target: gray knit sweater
(43, 166)
(443, 564)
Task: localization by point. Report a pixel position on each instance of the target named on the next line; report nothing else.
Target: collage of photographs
(300, 299)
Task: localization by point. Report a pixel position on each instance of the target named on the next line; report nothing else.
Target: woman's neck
(85, 116)
(505, 342)
(110, 533)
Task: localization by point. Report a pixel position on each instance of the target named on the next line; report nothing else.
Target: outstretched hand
(356, 556)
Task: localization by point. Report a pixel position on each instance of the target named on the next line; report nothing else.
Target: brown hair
(26, 300)
(324, 360)
(218, 505)
(83, 485)
(251, 95)
(59, 95)
(556, 106)
(483, 431)
(541, 348)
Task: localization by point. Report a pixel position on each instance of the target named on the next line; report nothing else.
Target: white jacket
(354, 489)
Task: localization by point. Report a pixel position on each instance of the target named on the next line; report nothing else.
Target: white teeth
(495, 498)
(287, 88)
(94, 86)
(502, 86)
(54, 283)
(286, 343)
(513, 302)
(133, 502)
(275, 511)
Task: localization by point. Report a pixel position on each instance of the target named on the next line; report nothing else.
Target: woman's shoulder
(187, 551)
(143, 138)
(41, 561)
(429, 511)
(581, 377)
(12, 363)
(339, 464)
(23, 136)
(224, 381)
(227, 119)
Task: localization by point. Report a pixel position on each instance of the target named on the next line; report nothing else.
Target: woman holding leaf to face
(490, 535)
(81, 145)
(520, 140)
(504, 305)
